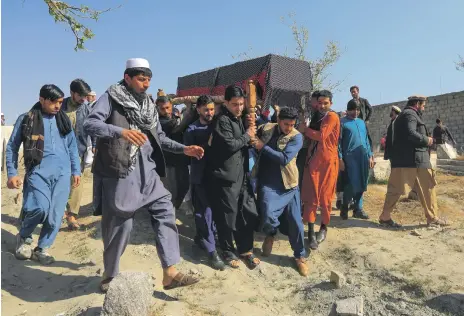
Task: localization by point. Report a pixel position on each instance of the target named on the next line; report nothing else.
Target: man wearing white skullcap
(127, 168)
(92, 97)
(395, 111)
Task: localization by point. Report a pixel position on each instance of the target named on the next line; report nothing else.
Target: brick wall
(448, 107)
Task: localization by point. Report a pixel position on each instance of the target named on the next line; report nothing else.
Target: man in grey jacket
(410, 163)
(127, 167)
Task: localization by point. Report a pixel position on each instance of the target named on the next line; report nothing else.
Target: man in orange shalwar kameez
(321, 170)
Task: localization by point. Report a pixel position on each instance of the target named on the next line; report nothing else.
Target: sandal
(181, 280)
(73, 224)
(302, 266)
(105, 284)
(231, 259)
(250, 260)
(390, 223)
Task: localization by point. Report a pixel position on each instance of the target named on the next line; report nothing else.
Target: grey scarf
(140, 112)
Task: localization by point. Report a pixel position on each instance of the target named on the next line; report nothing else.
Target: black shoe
(321, 235)
(338, 205)
(198, 243)
(360, 214)
(344, 213)
(312, 237)
(216, 262)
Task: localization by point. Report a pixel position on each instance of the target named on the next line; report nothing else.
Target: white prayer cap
(396, 109)
(137, 63)
(92, 93)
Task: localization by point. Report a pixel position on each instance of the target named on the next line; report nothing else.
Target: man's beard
(139, 97)
(207, 119)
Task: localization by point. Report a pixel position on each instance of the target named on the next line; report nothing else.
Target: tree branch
(71, 15)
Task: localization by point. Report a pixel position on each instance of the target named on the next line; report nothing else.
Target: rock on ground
(381, 170)
(353, 306)
(130, 293)
(337, 278)
(446, 151)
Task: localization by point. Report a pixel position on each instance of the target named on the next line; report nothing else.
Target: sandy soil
(412, 271)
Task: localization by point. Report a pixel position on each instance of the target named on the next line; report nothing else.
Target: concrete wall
(448, 107)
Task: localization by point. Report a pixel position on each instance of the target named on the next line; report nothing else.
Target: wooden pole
(251, 102)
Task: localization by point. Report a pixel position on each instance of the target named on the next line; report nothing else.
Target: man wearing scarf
(355, 159)
(320, 175)
(127, 167)
(50, 158)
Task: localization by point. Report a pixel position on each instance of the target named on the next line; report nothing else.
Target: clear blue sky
(392, 48)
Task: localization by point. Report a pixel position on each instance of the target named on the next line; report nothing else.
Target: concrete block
(351, 306)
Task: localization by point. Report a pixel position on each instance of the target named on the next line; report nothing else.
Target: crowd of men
(147, 155)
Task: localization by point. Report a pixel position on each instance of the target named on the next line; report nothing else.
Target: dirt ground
(412, 271)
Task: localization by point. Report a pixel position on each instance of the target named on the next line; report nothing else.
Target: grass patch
(196, 309)
(372, 180)
(81, 251)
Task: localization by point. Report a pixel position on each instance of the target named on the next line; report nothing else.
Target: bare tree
(244, 55)
(319, 66)
(73, 17)
(460, 63)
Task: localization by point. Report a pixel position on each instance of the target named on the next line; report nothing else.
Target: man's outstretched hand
(194, 151)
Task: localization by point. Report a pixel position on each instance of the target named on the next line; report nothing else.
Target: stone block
(446, 152)
(351, 306)
(338, 279)
(130, 293)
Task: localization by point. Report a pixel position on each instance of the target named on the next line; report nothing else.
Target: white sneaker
(23, 248)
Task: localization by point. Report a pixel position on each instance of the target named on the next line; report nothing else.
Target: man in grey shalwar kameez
(127, 167)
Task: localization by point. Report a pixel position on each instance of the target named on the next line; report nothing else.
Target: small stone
(337, 278)
(353, 306)
(194, 272)
(390, 307)
(99, 271)
(415, 232)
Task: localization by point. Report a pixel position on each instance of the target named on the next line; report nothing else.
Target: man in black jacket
(174, 126)
(410, 163)
(365, 109)
(395, 111)
(441, 134)
(232, 199)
